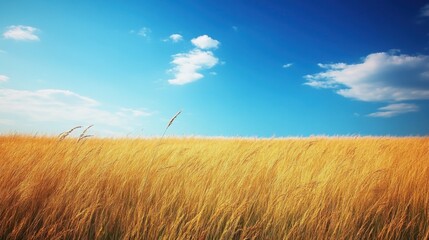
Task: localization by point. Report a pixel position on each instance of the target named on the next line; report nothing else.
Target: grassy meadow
(193, 188)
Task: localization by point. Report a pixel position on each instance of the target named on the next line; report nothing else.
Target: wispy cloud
(134, 112)
(176, 37)
(6, 122)
(3, 78)
(424, 11)
(143, 32)
(21, 33)
(287, 65)
(58, 106)
(380, 77)
(392, 110)
(205, 42)
(187, 66)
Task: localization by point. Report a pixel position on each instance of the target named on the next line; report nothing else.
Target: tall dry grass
(312, 188)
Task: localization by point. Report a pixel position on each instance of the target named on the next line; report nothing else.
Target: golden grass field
(191, 188)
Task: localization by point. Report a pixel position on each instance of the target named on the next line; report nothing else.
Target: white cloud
(380, 77)
(235, 28)
(176, 37)
(425, 11)
(3, 78)
(21, 33)
(287, 65)
(144, 32)
(392, 110)
(59, 106)
(188, 64)
(205, 42)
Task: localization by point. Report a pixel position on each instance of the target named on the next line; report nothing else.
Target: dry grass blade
(65, 134)
(173, 118)
(84, 131)
(171, 121)
(156, 153)
(83, 134)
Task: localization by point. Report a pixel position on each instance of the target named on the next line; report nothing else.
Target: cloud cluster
(21, 33)
(380, 77)
(54, 105)
(187, 65)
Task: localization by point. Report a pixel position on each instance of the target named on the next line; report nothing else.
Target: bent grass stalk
(83, 134)
(63, 135)
(156, 152)
(171, 122)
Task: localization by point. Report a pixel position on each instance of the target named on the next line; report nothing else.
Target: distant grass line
(304, 188)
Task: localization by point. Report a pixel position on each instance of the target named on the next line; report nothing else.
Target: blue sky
(235, 68)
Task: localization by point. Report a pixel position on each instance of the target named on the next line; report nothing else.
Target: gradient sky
(235, 68)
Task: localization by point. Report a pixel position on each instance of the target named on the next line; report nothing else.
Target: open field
(310, 188)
